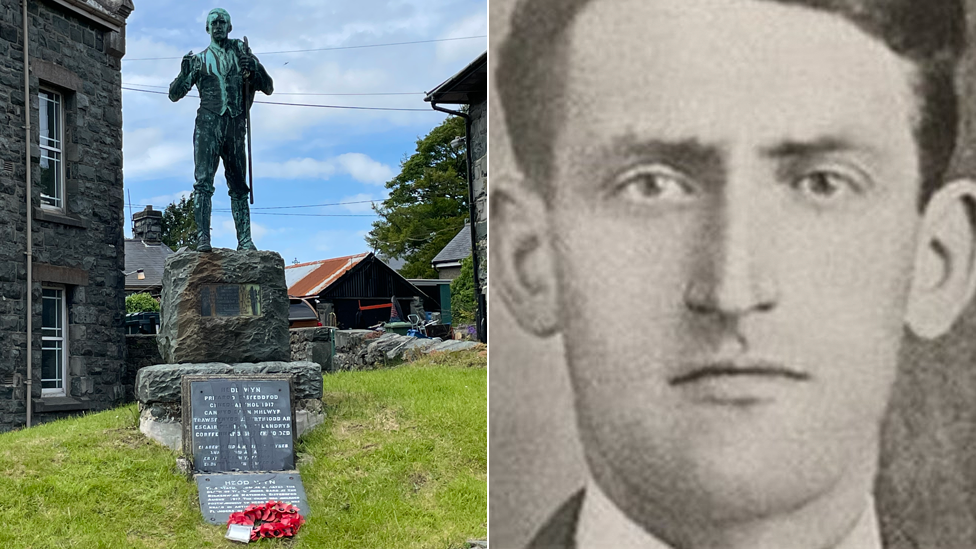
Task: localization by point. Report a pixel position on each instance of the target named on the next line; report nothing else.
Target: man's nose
(733, 278)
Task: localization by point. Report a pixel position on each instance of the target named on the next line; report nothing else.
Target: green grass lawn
(401, 462)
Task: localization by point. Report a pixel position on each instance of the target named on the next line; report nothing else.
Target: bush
(141, 303)
(463, 304)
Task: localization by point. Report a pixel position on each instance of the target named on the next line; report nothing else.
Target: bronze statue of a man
(226, 74)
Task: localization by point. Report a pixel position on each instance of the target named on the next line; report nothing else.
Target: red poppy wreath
(275, 519)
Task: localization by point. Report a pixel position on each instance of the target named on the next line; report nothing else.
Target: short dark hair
(931, 35)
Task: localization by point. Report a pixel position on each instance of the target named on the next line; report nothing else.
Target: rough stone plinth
(158, 389)
(187, 336)
(161, 383)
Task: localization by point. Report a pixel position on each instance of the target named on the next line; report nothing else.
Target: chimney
(147, 225)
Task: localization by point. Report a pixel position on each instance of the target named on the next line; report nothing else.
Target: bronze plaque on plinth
(230, 300)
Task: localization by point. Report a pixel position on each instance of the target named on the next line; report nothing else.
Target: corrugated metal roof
(309, 279)
(457, 249)
(294, 273)
(148, 256)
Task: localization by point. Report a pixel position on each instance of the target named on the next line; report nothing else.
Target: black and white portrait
(733, 252)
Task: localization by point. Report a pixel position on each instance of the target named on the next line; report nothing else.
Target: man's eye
(654, 183)
(827, 185)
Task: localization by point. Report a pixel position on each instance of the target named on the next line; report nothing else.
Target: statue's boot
(242, 220)
(201, 214)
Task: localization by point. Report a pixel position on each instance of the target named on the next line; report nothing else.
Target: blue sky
(302, 155)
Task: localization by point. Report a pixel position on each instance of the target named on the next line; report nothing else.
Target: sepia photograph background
(928, 465)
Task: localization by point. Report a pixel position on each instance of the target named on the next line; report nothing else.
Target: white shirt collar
(603, 525)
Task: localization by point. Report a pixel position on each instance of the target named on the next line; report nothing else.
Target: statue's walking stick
(247, 97)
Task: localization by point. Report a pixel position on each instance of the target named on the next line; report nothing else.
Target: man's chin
(715, 498)
(717, 508)
(725, 472)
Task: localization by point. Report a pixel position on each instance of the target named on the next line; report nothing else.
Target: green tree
(463, 304)
(179, 227)
(428, 202)
(141, 303)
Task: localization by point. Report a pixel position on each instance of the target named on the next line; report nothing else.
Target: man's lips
(732, 369)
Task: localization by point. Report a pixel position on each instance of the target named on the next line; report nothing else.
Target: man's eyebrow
(814, 147)
(686, 152)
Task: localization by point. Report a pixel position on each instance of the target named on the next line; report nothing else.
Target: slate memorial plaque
(223, 494)
(230, 300)
(239, 423)
(227, 300)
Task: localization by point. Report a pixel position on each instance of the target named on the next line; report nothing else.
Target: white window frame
(54, 341)
(52, 148)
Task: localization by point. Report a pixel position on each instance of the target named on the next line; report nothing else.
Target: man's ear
(945, 262)
(522, 259)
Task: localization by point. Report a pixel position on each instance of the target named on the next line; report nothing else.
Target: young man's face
(734, 219)
(219, 27)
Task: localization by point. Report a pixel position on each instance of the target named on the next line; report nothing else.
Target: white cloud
(220, 198)
(297, 168)
(202, 18)
(339, 242)
(364, 169)
(282, 123)
(224, 228)
(342, 23)
(360, 166)
(221, 226)
(362, 206)
(258, 231)
(148, 156)
(155, 72)
(466, 50)
(161, 201)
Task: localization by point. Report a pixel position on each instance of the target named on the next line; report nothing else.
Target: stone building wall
(141, 350)
(479, 129)
(75, 52)
(479, 168)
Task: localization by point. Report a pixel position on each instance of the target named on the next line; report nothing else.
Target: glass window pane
(54, 115)
(50, 169)
(50, 119)
(51, 313)
(51, 175)
(45, 123)
(51, 366)
(49, 179)
(52, 340)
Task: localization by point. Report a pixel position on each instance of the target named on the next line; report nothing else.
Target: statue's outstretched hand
(187, 64)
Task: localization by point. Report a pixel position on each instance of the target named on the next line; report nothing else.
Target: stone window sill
(61, 404)
(52, 216)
